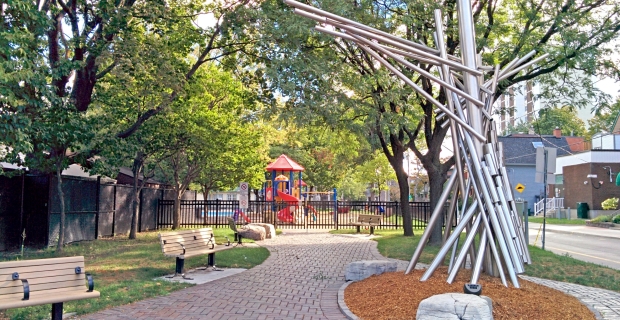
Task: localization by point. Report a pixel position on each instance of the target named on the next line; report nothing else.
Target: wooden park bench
(189, 243)
(368, 220)
(28, 283)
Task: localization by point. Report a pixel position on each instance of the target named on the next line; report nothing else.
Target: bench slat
(29, 271)
(16, 286)
(197, 253)
(41, 262)
(50, 296)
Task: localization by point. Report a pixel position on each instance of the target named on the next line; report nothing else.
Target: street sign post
(243, 195)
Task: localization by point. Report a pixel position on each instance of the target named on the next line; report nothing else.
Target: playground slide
(288, 198)
(285, 214)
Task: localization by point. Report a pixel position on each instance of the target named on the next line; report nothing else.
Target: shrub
(616, 219)
(602, 219)
(610, 204)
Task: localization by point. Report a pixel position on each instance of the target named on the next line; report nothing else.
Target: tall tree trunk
(403, 186)
(436, 180)
(138, 164)
(61, 198)
(396, 162)
(176, 214)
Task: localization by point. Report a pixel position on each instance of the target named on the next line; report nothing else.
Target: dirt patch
(395, 295)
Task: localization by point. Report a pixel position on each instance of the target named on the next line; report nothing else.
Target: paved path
(299, 280)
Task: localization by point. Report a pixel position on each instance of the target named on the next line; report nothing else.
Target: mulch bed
(395, 295)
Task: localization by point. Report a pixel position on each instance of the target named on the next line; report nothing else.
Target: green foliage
(605, 115)
(616, 219)
(602, 219)
(610, 204)
(564, 118)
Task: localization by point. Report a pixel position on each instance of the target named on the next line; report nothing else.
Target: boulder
(455, 306)
(270, 231)
(252, 232)
(360, 270)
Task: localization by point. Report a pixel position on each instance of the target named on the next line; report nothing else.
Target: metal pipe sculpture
(492, 214)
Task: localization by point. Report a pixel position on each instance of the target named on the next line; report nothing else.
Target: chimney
(557, 132)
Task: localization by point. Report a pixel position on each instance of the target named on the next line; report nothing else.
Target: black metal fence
(304, 215)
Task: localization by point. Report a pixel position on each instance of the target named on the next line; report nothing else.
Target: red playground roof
(284, 163)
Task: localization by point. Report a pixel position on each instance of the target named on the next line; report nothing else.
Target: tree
(376, 173)
(564, 118)
(206, 134)
(604, 118)
(332, 79)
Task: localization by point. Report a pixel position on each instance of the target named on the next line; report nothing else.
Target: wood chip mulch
(395, 295)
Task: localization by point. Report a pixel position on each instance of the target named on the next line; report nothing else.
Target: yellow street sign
(520, 187)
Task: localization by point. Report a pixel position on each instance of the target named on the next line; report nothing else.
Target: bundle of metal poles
(492, 213)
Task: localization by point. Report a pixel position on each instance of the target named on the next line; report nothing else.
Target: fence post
(97, 199)
(336, 208)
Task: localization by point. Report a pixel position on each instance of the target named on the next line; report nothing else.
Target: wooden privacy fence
(302, 215)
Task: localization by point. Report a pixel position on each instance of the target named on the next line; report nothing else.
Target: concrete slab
(204, 276)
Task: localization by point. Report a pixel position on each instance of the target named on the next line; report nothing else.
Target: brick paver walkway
(605, 302)
(299, 280)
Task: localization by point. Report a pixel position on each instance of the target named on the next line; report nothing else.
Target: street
(582, 246)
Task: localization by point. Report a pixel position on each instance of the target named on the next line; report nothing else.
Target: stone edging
(342, 305)
(608, 225)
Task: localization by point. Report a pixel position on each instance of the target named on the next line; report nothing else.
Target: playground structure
(283, 188)
(470, 98)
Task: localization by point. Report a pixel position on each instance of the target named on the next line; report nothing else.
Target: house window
(537, 144)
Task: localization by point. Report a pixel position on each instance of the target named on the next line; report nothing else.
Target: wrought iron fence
(297, 215)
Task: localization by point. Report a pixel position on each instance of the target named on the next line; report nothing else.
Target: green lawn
(125, 270)
(545, 264)
(558, 221)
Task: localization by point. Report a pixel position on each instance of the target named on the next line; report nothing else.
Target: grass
(126, 270)
(558, 221)
(546, 264)
(549, 265)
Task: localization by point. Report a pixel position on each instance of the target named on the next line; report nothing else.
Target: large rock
(360, 270)
(455, 306)
(270, 231)
(252, 232)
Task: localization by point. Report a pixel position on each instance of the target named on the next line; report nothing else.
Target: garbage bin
(582, 210)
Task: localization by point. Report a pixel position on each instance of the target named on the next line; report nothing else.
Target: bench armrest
(183, 247)
(89, 278)
(15, 276)
(91, 282)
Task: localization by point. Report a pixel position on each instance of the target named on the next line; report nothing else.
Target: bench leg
(358, 229)
(179, 269)
(238, 239)
(372, 230)
(57, 311)
(211, 262)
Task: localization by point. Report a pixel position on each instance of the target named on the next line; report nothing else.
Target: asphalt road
(590, 248)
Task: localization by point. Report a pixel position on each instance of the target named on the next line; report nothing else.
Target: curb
(342, 305)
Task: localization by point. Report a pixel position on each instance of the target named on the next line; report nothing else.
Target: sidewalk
(578, 229)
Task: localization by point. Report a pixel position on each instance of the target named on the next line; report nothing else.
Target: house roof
(127, 171)
(284, 163)
(518, 148)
